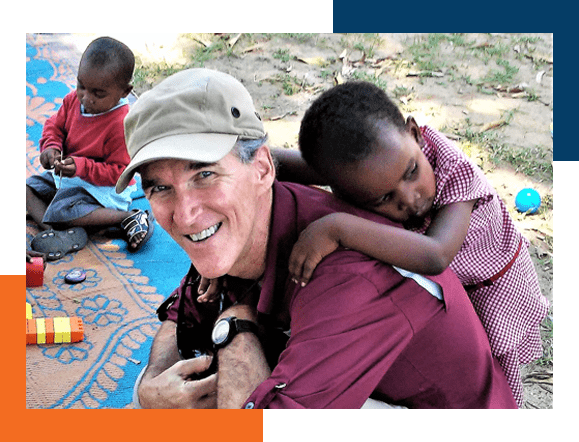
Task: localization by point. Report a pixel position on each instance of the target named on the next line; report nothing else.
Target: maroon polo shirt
(360, 329)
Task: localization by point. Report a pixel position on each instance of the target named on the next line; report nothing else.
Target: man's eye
(205, 174)
(157, 189)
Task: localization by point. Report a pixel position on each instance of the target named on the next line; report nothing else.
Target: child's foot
(138, 228)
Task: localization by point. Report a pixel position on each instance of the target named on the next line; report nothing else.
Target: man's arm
(242, 364)
(166, 384)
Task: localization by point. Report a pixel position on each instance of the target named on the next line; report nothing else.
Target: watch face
(220, 332)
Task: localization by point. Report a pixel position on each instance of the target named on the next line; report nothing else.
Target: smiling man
(359, 328)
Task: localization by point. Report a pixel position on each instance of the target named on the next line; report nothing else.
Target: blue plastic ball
(528, 200)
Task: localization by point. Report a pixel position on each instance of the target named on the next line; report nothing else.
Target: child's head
(356, 137)
(104, 74)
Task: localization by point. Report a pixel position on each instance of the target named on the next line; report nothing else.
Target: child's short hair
(340, 126)
(106, 52)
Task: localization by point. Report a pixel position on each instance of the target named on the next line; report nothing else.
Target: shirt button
(249, 405)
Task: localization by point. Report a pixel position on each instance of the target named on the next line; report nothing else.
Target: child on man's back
(83, 149)
(357, 141)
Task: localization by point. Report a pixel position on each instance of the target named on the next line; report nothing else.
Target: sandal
(57, 243)
(140, 221)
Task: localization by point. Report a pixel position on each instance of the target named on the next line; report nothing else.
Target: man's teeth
(205, 233)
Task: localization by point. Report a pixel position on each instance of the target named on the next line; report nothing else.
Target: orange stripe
(31, 331)
(49, 330)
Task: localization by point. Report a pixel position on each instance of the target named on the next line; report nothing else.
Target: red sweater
(97, 144)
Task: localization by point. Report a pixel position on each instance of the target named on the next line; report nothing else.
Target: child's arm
(427, 254)
(292, 167)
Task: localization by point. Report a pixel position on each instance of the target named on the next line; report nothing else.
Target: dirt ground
(491, 93)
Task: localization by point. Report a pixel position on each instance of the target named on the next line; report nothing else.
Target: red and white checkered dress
(512, 307)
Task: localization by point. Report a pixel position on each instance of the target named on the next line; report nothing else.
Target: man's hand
(66, 166)
(173, 388)
(48, 157)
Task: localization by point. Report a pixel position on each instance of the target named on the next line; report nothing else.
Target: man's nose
(187, 208)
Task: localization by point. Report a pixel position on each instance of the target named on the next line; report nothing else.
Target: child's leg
(105, 217)
(36, 208)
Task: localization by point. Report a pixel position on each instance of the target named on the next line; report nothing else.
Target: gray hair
(245, 149)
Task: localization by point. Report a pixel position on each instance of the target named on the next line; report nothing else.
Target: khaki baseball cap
(195, 115)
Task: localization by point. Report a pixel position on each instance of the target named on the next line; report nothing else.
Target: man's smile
(205, 234)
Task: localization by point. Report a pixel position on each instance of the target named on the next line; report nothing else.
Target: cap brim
(201, 148)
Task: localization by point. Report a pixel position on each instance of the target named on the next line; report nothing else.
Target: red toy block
(35, 272)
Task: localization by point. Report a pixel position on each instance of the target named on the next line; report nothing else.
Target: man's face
(214, 211)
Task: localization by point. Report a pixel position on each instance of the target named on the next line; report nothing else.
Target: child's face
(396, 180)
(98, 90)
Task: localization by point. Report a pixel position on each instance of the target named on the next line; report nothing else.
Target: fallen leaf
(253, 48)
(539, 76)
(314, 61)
(425, 74)
(519, 95)
(233, 40)
(493, 125)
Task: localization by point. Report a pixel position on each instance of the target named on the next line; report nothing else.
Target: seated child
(356, 140)
(83, 149)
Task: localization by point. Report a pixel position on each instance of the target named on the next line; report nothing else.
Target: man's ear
(414, 130)
(264, 166)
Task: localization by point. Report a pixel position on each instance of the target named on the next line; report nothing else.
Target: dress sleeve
(464, 183)
(337, 318)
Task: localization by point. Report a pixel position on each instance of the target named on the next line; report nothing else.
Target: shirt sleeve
(53, 131)
(336, 319)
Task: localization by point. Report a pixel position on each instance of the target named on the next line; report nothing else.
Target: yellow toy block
(40, 331)
(28, 311)
(61, 330)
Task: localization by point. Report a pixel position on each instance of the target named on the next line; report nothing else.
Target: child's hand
(315, 242)
(67, 167)
(48, 157)
(209, 289)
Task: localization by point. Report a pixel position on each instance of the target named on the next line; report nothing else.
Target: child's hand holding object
(66, 167)
(48, 157)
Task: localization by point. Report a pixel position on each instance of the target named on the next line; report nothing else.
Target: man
(358, 329)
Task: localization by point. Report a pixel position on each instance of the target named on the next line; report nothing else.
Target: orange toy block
(76, 329)
(35, 272)
(49, 325)
(30, 331)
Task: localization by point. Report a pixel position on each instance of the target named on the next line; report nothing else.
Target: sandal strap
(135, 224)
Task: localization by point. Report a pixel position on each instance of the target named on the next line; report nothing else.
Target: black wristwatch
(226, 329)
